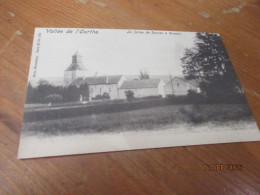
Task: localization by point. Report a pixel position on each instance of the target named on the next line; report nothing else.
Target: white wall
(111, 89)
(120, 82)
(161, 89)
(144, 92)
(179, 88)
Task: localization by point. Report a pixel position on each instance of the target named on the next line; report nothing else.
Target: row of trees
(45, 92)
(208, 63)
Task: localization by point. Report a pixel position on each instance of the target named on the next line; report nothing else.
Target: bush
(53, 98)
(191, 98)
(172, 99)
(130, 95)
(105, 96)
(197, 98)
(152, 97)
(194, 97)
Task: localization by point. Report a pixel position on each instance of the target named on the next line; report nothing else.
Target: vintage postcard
(100, 90)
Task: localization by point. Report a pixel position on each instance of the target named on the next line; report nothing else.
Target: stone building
(100, 85)
(142, 88)
(180, 86)
(75, 70)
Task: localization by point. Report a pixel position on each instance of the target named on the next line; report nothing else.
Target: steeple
(75, 70)
(76, 63)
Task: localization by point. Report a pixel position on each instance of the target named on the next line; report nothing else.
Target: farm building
(116, 85)
(142, 88)
(76, 74)
(180, 86)
(98, 85)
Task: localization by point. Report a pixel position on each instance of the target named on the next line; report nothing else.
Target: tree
(71, 93)
(104, 96)
(129, 95)
(144, 75)
(84, 90)
(209, 64)
(30, 98)
(44, 89)
(43, 82)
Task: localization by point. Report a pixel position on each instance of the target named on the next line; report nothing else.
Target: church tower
(75, 70)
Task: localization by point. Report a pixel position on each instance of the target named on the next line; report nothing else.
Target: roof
(78, 82)
(74, 66)
(137, 84)
(98, 80)
(76, 63)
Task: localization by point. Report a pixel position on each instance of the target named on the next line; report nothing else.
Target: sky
(111, 52)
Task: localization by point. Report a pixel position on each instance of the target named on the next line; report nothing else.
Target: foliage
(144, 75)
(53, 98)
(104, 96)
(208, 63)
(84, 90)
(129, 95)
(43, 82)
(69, 93)
(37, 94)
(197, 98)
(44, 114)
(194, 97)
(30, 93)
(172, 99)
(152, 97)
(149, 118)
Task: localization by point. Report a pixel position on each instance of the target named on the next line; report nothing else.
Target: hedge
(58, 113)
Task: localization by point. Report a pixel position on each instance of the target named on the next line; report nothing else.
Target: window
(91, 90)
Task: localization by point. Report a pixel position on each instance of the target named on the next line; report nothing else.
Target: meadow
(143, 119)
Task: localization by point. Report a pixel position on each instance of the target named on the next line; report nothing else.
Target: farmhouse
(142, 88)
(180, 86)
(100, 85)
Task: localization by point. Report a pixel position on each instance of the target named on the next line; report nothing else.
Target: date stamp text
(223, 167)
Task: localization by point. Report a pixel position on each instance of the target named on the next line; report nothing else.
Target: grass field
(144, 119)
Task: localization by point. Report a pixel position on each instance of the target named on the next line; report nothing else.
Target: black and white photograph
(101, 90)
